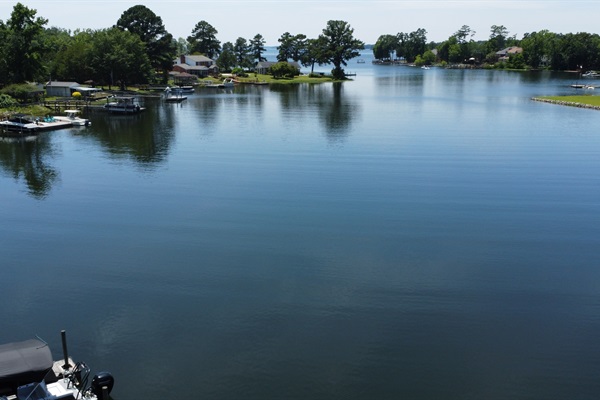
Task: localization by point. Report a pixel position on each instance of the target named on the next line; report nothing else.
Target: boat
(20, 123)
(174, 96)
(73, 118)
(186, 89)
(226, 84)
(28, 372)
(123, 105)
(591, 74)
(360, 61)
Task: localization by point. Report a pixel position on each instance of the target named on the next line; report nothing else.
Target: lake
(417, 234)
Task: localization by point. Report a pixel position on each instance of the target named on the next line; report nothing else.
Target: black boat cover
(23, 362)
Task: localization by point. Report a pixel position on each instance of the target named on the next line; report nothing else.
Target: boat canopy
(24, 362)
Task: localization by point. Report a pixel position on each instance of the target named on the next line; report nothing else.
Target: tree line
(543, 49)
(138, 49)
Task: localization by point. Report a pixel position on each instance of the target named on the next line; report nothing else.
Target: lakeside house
(504, 54)
(264, 66)
(196, 65)
(66, 89)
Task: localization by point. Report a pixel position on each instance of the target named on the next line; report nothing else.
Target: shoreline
(566, 103)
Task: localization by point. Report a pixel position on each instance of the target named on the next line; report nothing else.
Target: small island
(581, 101)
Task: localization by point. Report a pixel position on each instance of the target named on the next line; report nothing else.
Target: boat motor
(100, 380)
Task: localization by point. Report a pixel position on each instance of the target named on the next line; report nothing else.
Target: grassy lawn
(251, 78)
(588, 100)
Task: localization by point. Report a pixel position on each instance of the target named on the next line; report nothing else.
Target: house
(264, 66)
(60, 89)
(504, 54)
(66, 89)
(197, 65)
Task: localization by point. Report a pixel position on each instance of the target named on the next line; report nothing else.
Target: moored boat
(27, 371)
(123, 105)
(174, 95)
(186, 89)
(227, 83)
(73, 117)
(20, 123)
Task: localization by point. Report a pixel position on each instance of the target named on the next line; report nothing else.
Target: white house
(198, 65)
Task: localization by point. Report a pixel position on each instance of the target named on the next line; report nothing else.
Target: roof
(188, 67)
(509, 50)
(199, 58)
(87, 89)
(61, 84)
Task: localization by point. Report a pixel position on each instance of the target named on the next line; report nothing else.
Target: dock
(42, 126)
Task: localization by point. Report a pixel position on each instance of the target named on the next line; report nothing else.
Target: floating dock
(42, 126)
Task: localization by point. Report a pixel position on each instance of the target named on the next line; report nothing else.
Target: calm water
(411, 234)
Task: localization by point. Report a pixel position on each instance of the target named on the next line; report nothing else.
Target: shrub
(239, 72)
(21, 92)
(284, 70)
(6, 101)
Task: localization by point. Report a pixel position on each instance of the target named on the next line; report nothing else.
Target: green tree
(286, 47)
(497, 40)
(73, 62)
(54, 40)
(339, 46)
(257, 48)
(119, 56)
(204, 40)
(298, 46)
(314, 53)
(182, 46)
(537, 47)
(458, 47)
(410, 45)
(22, 46)
(292, 47)
(428, 57)
(581, 50)
(242, 52)
(226, 60)
(516, 61)
(161, 51)
(385, 46)
(417, 43)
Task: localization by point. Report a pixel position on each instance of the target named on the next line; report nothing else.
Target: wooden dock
(61, 105)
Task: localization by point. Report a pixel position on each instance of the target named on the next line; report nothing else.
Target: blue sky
(271, 18)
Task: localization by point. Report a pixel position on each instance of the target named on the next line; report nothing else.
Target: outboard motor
(100, 380)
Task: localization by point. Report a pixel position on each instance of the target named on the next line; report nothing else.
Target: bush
(284, 70)
(21, 92)
(239, 72)
(6, 101)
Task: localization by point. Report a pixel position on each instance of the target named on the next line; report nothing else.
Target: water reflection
(145, 137)
(335, 109)
(337, 113)
(30, 160)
